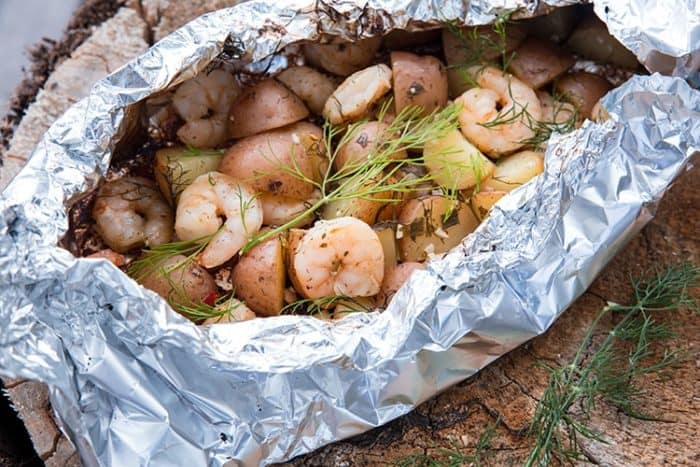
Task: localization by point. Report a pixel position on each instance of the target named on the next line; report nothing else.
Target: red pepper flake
(210, 299)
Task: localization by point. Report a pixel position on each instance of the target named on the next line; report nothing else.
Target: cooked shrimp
(342, 256)
(504, 101)
(198, 215)
(204, 102)
(130, 212)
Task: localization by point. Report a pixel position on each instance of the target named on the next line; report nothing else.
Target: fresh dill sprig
(152, 259)
(377, 174)
(320, 305)
(611, 373)
(202, 311)
(454, 457)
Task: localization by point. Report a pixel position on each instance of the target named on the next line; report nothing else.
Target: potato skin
(313, 87)
(583, 90)
(265, 106)
(418, 81)
(257, 160)
(193, 282)
(425, 230)
(364, 140)
(259, 278)
(394, 279)
(538, 62)
(482, 202)
(343, 58)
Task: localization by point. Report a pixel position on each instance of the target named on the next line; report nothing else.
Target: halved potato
(259, 277)
(538, 62)
(364, 141)
(291, 243)
(264, 160)
(278, 210)
(265, 106)
(175, 168)
(189, 284)
(483, 201)
(343, 58)
(583, 90)
(313, 87)
(455, 163)
(364, 208)
(394, 279)
(432, 225)
(418, 81)
(387, 236)
(514, 171)
(356, 95)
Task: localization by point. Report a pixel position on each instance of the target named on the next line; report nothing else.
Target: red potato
(394, 279)
(363, 142)
(342, 58)
(189, 284)
(260, 160)
(265, 106)
(177, 167)
(557, 25)
(313, 87)
(357, 94)
(432, 225)
(278, 210)
(514, 171)
(364, 208)
(418, 81)
(583, 90)
(455, 163)
(387, 236)
(483, 201)
(592, 40)
(472, 44)
(538, 62)
(291, 243)
(259, 278)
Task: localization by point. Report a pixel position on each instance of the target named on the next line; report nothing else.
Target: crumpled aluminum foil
(133, 383)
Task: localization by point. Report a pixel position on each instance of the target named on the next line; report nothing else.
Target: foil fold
(134, 383)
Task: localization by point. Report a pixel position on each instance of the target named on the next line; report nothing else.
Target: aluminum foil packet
(134, 383)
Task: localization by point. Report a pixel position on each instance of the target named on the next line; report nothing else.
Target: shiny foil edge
(123, 366)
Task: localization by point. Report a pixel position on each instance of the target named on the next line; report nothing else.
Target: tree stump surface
(106, 33)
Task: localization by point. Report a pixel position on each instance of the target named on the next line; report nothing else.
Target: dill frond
(152, 259)
(222, 307)
(612, 372)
